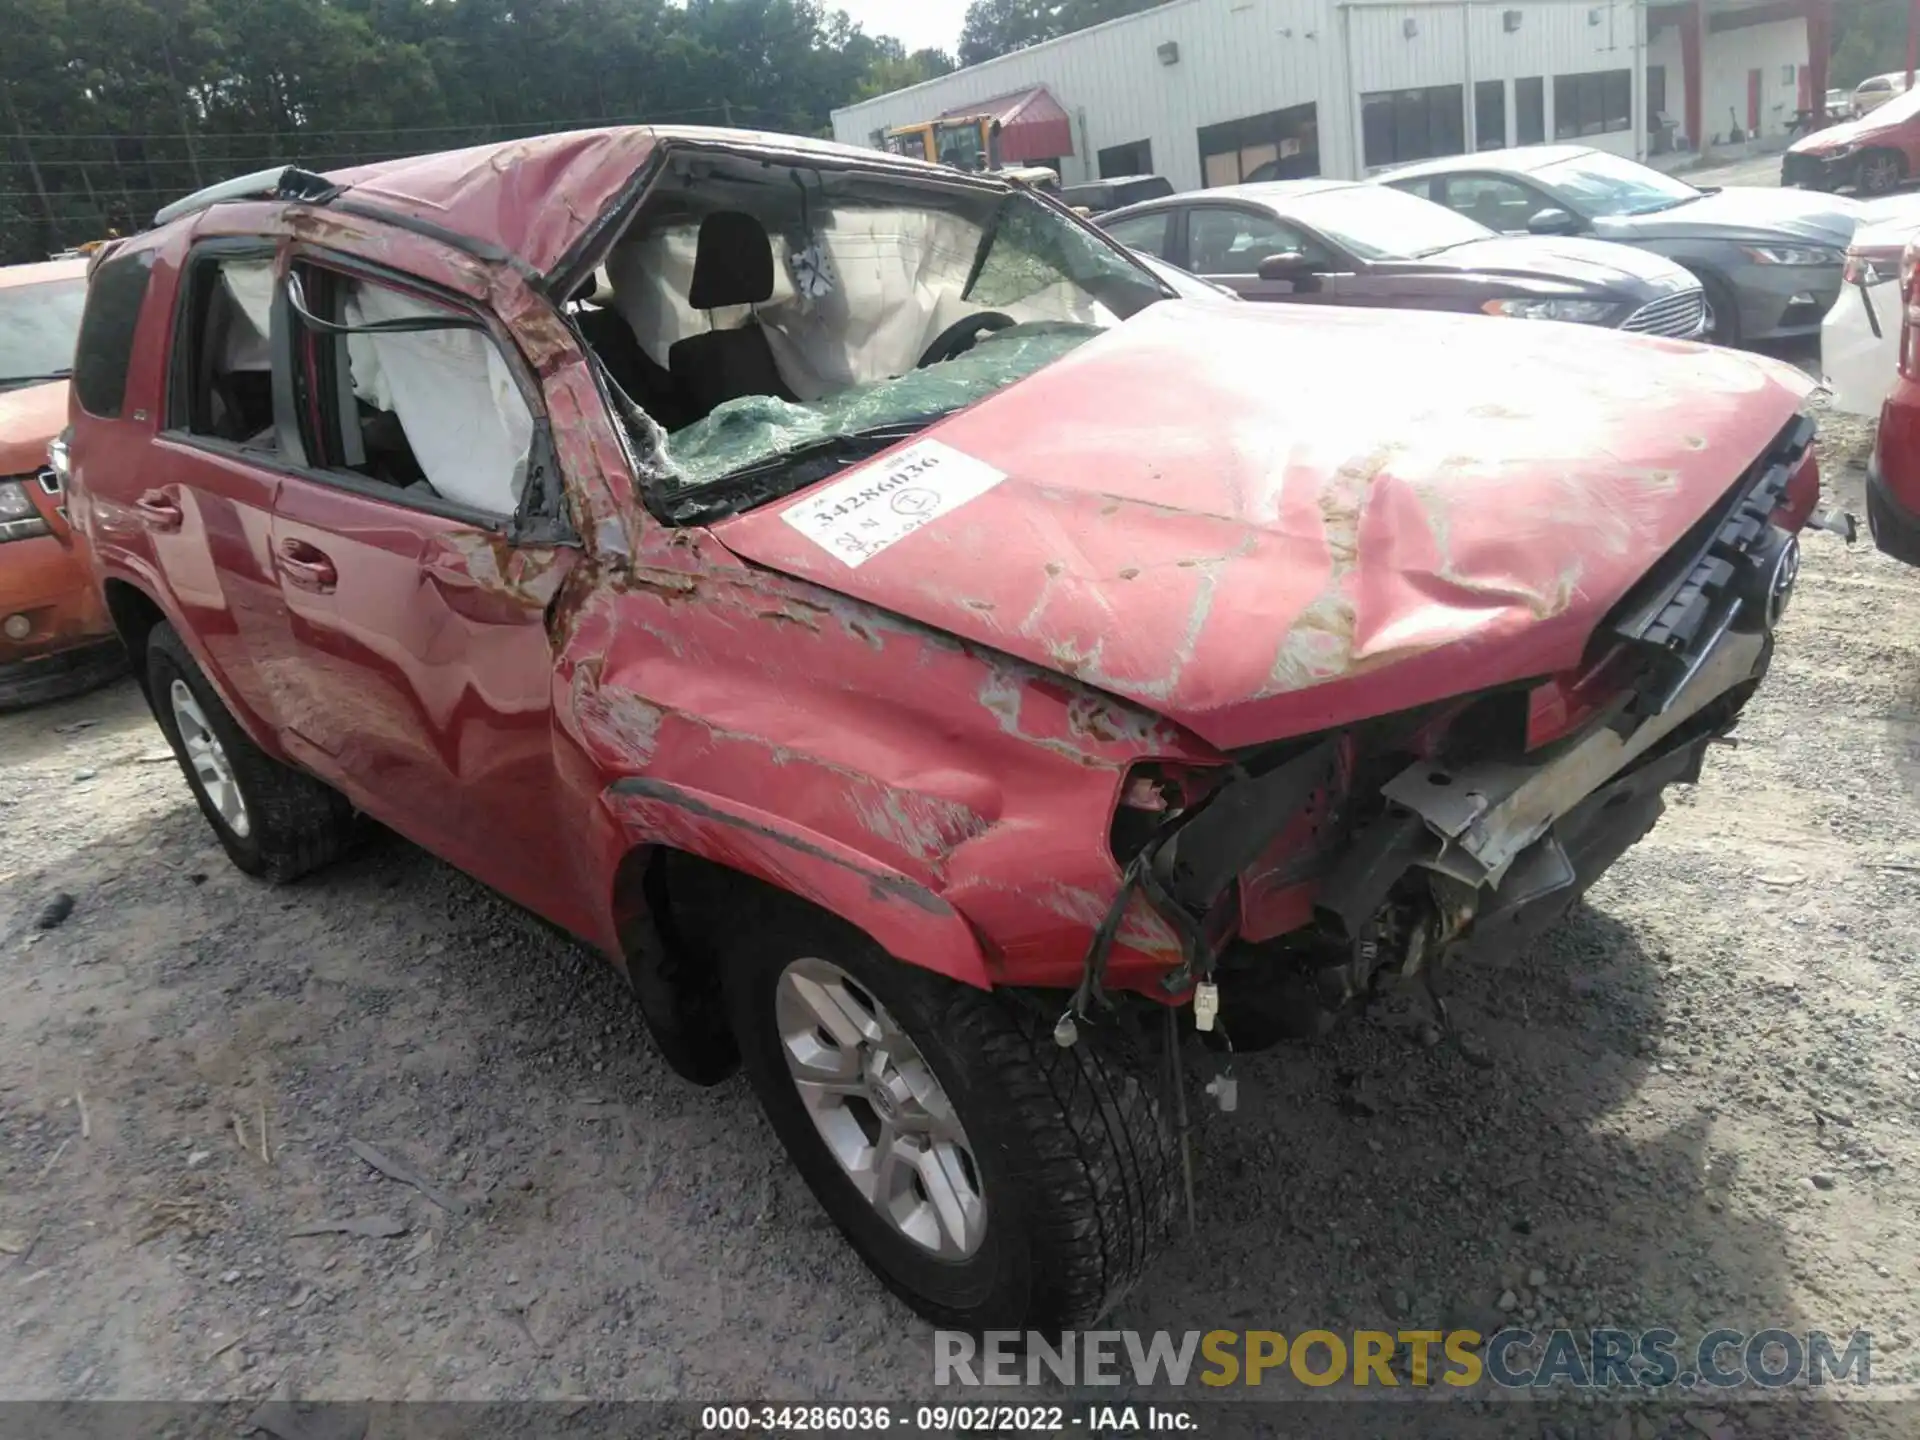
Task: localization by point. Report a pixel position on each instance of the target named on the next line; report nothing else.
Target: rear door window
(221, 385)
(401, 390)
(115, 296)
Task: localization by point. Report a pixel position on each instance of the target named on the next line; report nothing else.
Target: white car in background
(1876, 90)
(1860, 337)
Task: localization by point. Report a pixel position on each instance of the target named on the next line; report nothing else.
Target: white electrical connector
(1225, 1090)
(1206, 1005)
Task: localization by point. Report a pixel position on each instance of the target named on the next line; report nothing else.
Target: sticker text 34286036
(879, 505)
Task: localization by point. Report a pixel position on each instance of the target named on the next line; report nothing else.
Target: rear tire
(272, 820)
(1039, 1182)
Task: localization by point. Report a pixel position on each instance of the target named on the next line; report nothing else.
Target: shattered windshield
(759, 427)
(38, 325)
(781, 310)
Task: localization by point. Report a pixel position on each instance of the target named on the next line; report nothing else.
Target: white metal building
(1209, 92)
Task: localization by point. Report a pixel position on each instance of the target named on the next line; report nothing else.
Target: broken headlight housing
(19, 518)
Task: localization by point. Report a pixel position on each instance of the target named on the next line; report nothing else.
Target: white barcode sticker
(879, 505)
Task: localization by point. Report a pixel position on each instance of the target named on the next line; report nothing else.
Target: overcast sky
(917, 23)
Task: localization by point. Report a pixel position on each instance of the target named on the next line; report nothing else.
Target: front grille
(1678, 315)
(1802, 169)
(1706, 583)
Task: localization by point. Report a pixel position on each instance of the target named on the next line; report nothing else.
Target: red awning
(1032, 125)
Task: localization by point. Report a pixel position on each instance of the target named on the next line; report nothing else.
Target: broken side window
(222, 385)
(410, 392)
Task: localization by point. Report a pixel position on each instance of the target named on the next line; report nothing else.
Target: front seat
(732, 265)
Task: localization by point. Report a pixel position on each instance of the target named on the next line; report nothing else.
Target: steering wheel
(959, 337)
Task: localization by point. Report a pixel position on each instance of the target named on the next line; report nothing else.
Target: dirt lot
(1702, 1109)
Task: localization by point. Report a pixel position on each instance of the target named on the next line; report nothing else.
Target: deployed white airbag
(249, 285)
(462, 411)
(897, 277)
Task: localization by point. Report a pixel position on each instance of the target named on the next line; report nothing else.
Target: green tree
(999, 27)
(1869, 38)
(893, 69)
(111, 108)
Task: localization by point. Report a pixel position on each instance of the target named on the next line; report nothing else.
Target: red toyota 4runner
(909, 641)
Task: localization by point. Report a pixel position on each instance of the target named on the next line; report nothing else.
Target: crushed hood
(1870, 126)
(1262, 521)
(1742, 213)
(30, 418)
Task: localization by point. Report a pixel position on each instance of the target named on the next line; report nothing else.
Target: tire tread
(1100, 1167)
(299, 824)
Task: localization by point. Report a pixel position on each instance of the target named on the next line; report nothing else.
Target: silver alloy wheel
(209, 759)
(880, 1109)
(1880, 171)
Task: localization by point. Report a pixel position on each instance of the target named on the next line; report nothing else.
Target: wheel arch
(1719, 289)
(687, 853)
(134, 614)
(136, 610)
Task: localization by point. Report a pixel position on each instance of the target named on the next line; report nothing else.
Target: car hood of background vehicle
(1263, 521)
(30, 417)
(1847, 132)
(1743, 213)
(1588, 265)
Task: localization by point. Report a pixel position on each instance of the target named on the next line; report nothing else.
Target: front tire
(1880, 171)
(272, 820)
(991, 1179)
(1725, 306)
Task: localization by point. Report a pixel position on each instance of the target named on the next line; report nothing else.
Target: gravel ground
(1703, 1106)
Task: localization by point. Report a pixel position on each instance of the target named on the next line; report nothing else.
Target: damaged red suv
(912, 643)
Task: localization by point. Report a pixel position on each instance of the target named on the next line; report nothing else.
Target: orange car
(55, 636)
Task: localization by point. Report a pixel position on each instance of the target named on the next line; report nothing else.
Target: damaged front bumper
(1526, 840)
(1458, 855)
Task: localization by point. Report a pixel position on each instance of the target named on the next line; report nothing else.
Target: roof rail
(282, 182)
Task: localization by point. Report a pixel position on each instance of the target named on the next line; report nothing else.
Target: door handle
(307, 567)
(160, 511)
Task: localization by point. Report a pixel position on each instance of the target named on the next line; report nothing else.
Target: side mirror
(1552, 221)
(1287, 265)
